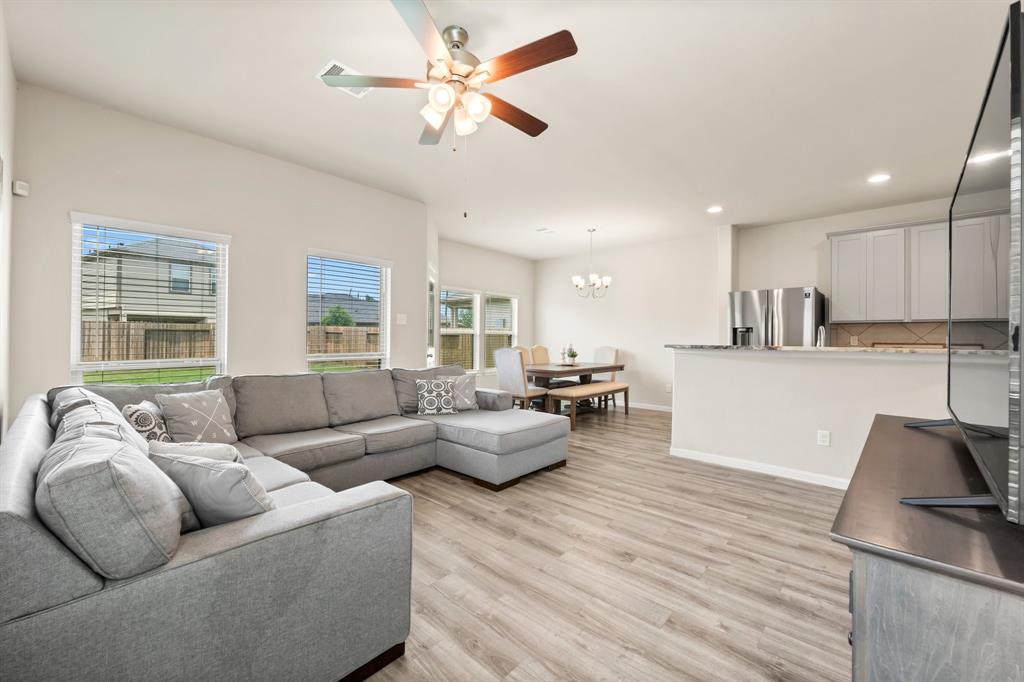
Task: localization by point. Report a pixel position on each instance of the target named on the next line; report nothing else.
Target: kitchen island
(765, 408)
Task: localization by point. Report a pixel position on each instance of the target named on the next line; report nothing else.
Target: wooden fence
(115, 341)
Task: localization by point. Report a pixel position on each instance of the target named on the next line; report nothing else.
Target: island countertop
(905, 350)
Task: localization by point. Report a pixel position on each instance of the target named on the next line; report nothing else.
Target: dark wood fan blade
(538, 53)
(431, 135)
(516, 117)
(354, 81)
(415, 15)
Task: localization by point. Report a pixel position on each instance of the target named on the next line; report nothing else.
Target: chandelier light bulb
(464, 125)
(477, 106)
(606, 281)
(434, 117)
(441, 97)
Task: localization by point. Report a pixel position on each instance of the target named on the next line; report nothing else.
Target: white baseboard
(762, 468)
(651, 406)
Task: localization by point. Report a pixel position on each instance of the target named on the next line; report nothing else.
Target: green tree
(337, 317)
(465, 318)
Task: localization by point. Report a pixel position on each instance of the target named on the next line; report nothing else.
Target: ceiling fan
(455, 76)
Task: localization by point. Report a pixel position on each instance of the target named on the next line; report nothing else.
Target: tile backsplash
(987, 335)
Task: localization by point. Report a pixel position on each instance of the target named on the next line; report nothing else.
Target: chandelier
(594, 285)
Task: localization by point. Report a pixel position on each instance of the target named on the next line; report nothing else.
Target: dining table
(543, 374)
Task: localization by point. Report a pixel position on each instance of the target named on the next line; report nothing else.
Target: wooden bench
(579, 392)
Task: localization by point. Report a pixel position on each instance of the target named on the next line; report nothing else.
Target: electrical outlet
(824, 438)
(854, 340)
(668, 388)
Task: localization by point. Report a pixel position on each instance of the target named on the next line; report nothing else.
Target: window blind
(347, 314)
(148, 307)
(499, 325)
(458, 327)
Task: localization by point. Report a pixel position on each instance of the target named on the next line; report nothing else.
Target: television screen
(983, 223)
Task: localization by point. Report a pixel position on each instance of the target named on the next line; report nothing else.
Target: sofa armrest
(493, 399)
(309, 591)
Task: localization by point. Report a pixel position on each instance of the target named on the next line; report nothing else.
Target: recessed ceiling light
(991, 156)
(879, 178)
(545, 230)
(715, 209)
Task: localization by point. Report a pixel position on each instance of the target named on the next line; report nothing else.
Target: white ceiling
(776, 110)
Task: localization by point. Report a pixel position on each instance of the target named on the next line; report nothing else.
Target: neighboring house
(149, 281)
(366, 313)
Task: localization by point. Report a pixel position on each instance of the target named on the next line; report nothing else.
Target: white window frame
(477, 326)
(77, 220)
(385, 315)
(483, 325)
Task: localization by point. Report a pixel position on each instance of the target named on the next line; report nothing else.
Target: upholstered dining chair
(511, 367)
(608, 355)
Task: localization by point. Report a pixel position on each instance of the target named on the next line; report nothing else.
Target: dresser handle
(849, 638)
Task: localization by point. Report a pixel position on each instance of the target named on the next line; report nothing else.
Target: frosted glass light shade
(464, 125)
(434, 117)
(441, 97)
(477, 106)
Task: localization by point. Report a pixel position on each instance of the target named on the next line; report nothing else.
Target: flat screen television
(985, 305)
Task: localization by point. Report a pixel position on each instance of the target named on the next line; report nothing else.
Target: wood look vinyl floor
(627, 564)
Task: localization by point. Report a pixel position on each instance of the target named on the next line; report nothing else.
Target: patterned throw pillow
(465, 392)
(435, 396)
(147, 419)
(203, 416)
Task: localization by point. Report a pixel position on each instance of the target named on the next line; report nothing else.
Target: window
(347, 319)
(130, 323)
(181, 277)
(431, 322)
(458, 317)
(499, 325)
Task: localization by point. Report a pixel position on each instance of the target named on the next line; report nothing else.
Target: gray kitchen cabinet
(886, 278)
(929, 271)
(849, 278)
(981, 246)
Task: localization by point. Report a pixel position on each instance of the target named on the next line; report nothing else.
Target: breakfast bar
(801, 412)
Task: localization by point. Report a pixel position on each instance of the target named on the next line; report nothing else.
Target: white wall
(81, 156)
(761, 410)
(661, 293)
(8, 95)
(471, 267)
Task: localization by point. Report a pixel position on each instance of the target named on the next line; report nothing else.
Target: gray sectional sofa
(316, 589)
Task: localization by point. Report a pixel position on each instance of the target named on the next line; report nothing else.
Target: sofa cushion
(225, 452)
(110, 505)
(279, 404)
(308, 450)
(273, 473)
(133, 394)
(219, 492)
(499, 432)
(70, 399)
(299, 493)
(359, 396)
(391, 433)
(102, 413)
(246, 451)
(200, 417)
(405, 383)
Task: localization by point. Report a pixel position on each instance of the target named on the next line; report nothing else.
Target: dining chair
(511, 367)
(527, 355)
(608, 355)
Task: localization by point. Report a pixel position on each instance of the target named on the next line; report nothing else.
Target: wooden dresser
(936, 594)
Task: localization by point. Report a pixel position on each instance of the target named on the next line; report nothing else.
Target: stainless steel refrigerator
(778, 317)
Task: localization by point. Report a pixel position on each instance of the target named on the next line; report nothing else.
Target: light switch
(401, 318)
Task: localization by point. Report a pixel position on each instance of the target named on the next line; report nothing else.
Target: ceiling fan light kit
(455, 76)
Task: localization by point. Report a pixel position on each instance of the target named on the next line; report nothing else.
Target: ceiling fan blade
(432, 135)
(538, 53)
(516, 117)
(415, 15)
(354, 81)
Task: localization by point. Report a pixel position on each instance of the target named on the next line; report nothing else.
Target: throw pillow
(465, 392)
(435, 396)
(203, 416)
(220, 451)
(219, 492)
(110, 504)
(147, 419)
